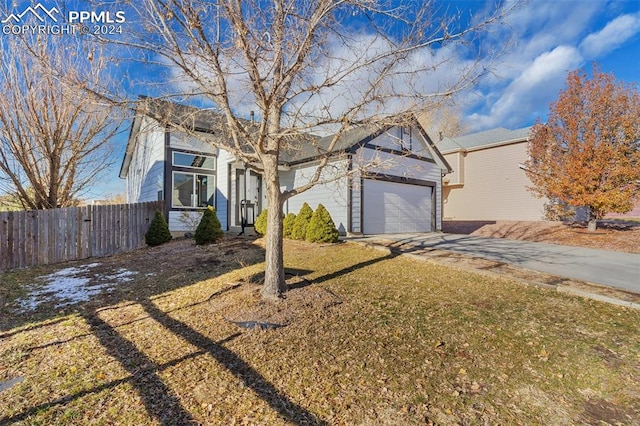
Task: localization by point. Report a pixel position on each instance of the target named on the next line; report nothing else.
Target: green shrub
(260, 224)
(321, 229)
(299, 230)
(209, 229)
(158, 232)
(287, 224)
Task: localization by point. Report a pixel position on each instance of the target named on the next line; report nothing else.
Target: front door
(248, 196)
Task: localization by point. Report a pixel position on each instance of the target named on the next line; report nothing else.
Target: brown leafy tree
(588, 153)
(55, 140)
(304, 66)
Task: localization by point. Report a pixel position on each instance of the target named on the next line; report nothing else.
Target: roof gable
(303, 148)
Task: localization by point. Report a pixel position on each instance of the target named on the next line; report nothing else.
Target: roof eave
(433, 148)
(487, 146)
(131, 141)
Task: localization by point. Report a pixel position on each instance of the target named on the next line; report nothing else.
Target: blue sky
(547, 38)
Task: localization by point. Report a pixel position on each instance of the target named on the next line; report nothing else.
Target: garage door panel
(391, 207)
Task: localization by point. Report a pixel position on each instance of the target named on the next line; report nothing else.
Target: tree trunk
(593, 220)
(274, 284)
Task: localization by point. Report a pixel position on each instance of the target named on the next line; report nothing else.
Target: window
(193, 190)
(183, 159)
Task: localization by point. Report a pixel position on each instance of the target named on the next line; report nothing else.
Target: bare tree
(55, 139)
(304, 66)
(117, 198)
(443, 121)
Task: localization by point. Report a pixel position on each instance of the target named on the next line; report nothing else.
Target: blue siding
(223, 192)
(356, 205)
(333, 195)
(400, 166)
(146, 171)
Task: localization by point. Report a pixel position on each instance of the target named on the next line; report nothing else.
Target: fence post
(5, 247)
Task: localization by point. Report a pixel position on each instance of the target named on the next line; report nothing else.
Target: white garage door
(391, 207)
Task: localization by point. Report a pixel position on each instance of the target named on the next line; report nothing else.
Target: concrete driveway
(615, 269)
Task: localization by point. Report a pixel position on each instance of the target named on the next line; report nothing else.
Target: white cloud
(348, 73)
(612, 36)
(423, 72)
(544, 40)
(549, 39)
(542, 78)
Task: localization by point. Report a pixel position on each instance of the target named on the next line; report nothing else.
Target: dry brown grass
(370, 338)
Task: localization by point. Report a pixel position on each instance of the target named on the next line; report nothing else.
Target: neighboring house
(488, 180)
(401, 193)
(633, 214)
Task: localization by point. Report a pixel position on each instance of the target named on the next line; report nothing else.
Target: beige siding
(490, 185)
(634, 213)
(456, 161)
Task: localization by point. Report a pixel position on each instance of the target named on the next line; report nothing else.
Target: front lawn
(368, 338)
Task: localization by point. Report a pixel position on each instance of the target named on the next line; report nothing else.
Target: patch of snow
(65, 272)
(4, 385)
(72, 285)
(121, 275)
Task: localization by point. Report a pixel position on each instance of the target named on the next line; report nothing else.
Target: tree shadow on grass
(158, 398)
(276, 399)
(355, 267)
(258, 277)
(160, 402)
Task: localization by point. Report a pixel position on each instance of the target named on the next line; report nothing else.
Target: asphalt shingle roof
(167, 112)
(495, 136)
(320, 145)
(301, 148)
(304, 147)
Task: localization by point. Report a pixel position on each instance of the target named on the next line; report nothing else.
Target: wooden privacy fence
(42, 237)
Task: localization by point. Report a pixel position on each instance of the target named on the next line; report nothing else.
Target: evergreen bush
(287, 224)
(299, 230)
(260, 224)
(209, 230)
(321, 229)
(158, 232)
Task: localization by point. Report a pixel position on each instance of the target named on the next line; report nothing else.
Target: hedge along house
(379, 180)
